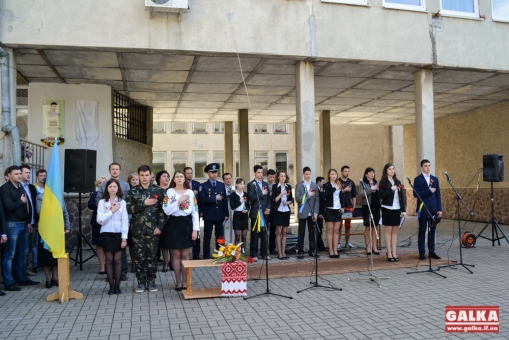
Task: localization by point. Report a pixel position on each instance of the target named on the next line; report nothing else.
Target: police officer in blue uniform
(213, 207)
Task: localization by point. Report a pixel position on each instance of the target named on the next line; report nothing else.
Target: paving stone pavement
(405, 307)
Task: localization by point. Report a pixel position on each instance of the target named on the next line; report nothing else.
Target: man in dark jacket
(258, 195)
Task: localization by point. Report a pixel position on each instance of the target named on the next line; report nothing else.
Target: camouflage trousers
(145, 248)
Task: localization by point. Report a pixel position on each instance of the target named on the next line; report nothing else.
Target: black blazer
(328, 192)
(235, 201)
(33, 194)
(254, 194)
(387, 195)
(275, 193)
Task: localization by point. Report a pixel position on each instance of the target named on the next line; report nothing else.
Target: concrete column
(398, 152)
(305, 125)
(424, 118)
(228, 148)
(243, 121)
(325, 142)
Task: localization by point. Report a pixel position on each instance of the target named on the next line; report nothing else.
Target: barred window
(129, 119)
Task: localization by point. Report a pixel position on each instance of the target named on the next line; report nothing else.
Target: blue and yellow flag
(303, 203)
(260, 222)
(51, 220)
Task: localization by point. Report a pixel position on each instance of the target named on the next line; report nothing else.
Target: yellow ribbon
(257, 223)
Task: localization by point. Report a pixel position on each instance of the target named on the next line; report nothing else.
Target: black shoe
(2, 293)
(54, 283)
(300, 256)
(118, 291)
(336, 256)
(111, 291)
(422, 257)
(368, 254)
(123, 278)
(28, 282)
(435, 256)
(102, 273)
(376, 252)
(13, 288)
(48, 284)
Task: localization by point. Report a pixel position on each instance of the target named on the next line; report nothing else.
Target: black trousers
(320, 245)
(272, 233)
(255, 236)
(423, 227)
(207, 230)
(302, 233)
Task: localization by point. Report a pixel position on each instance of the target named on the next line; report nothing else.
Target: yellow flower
(215, 256)
(232, 248)
(221, 249)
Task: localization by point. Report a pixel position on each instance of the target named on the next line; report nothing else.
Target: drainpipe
(7, 127)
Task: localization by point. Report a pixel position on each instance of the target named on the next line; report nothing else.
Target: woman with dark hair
(112, 216)
(239, 203)
(393, 207)
(133, 181)
(333, 210)
(183, 224)
(370, 190)
(163, 181)
(281, 199)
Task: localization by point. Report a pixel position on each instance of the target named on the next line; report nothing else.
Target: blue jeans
(17, 244)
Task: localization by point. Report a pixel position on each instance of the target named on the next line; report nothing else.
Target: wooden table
(199, 293)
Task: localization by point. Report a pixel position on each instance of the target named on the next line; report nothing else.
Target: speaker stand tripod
(495, 227)
(79, 242)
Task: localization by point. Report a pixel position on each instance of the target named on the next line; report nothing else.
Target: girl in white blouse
(181, 205)
(112, 216)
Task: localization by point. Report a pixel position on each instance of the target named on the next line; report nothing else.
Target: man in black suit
(320, 181)
(428, 188)
(271, 180)
(31, 192)
(195, 186)
(258, 195)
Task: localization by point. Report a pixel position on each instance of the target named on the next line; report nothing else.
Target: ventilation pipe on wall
(7, 127)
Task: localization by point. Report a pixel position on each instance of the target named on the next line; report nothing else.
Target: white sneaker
(255, 259)
(350, 246)
(339, 246)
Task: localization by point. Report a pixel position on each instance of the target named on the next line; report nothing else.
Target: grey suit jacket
(123, 185)
(254, 195)
(314, 201)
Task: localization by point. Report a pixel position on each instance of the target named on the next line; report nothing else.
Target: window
(500, 10)
(235, 128)
(262, 158)
(200, 162)
(349, 2)
(260, 128)
(280, 128)
(218, 127)
(158, 161)
(178, 128)
(129, 119)
(159, 127)
(199, 127)
(281, 161)
(178, 161)
(461, 8)
(418, 5)
(237, 164)
(219, 159)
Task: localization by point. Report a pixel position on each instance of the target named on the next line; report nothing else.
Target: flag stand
(64, 293)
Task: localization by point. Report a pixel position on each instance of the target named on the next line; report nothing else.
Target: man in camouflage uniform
(145, 203)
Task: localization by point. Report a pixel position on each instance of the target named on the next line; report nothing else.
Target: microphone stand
(267, 291)
(371, 277)
(458, 199)
(316, 284)
(431, 219)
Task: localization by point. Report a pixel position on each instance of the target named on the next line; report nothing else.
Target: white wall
(38, 92)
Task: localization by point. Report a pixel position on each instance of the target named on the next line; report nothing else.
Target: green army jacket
(145, 219)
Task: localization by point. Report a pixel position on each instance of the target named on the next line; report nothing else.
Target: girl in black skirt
(240, 206)
(393, 207)
(281, 200)
(112, 216)
(371, 189)
(183, 224)
(333, 211)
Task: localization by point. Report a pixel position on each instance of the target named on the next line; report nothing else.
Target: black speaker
(493, 168)
(79, 170)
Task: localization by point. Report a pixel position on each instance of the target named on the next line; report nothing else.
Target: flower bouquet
(228, 253)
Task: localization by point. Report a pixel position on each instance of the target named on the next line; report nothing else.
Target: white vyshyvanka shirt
(189, 207)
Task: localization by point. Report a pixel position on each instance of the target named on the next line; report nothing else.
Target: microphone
(448, 178)
(409, 181)
(362, 184)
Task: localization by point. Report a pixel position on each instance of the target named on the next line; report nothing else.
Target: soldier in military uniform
(145, 203)
(213, 206)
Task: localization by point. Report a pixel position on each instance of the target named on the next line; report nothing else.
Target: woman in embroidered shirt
(112, 216)
(281, 199)
(239, 203)
(181, 205)
(393, 207)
